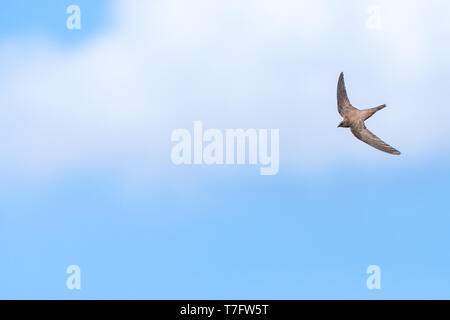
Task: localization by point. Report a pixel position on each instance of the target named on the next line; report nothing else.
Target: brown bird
(354, 119)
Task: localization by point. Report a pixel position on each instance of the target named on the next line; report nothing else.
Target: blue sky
(24, 18)
(87, 179)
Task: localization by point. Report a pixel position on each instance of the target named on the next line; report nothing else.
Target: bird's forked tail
(370, 112)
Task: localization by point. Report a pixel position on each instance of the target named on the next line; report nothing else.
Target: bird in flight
(354, 119)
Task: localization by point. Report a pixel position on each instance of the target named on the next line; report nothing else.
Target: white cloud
(263, 64)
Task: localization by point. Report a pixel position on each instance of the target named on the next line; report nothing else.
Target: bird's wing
(342, 100)
(362, 133)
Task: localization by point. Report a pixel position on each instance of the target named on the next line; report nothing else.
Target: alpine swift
(354, 119)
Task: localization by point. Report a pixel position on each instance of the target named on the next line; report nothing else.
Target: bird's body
(354, 119)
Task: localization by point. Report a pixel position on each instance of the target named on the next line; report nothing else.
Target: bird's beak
(340, 125)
